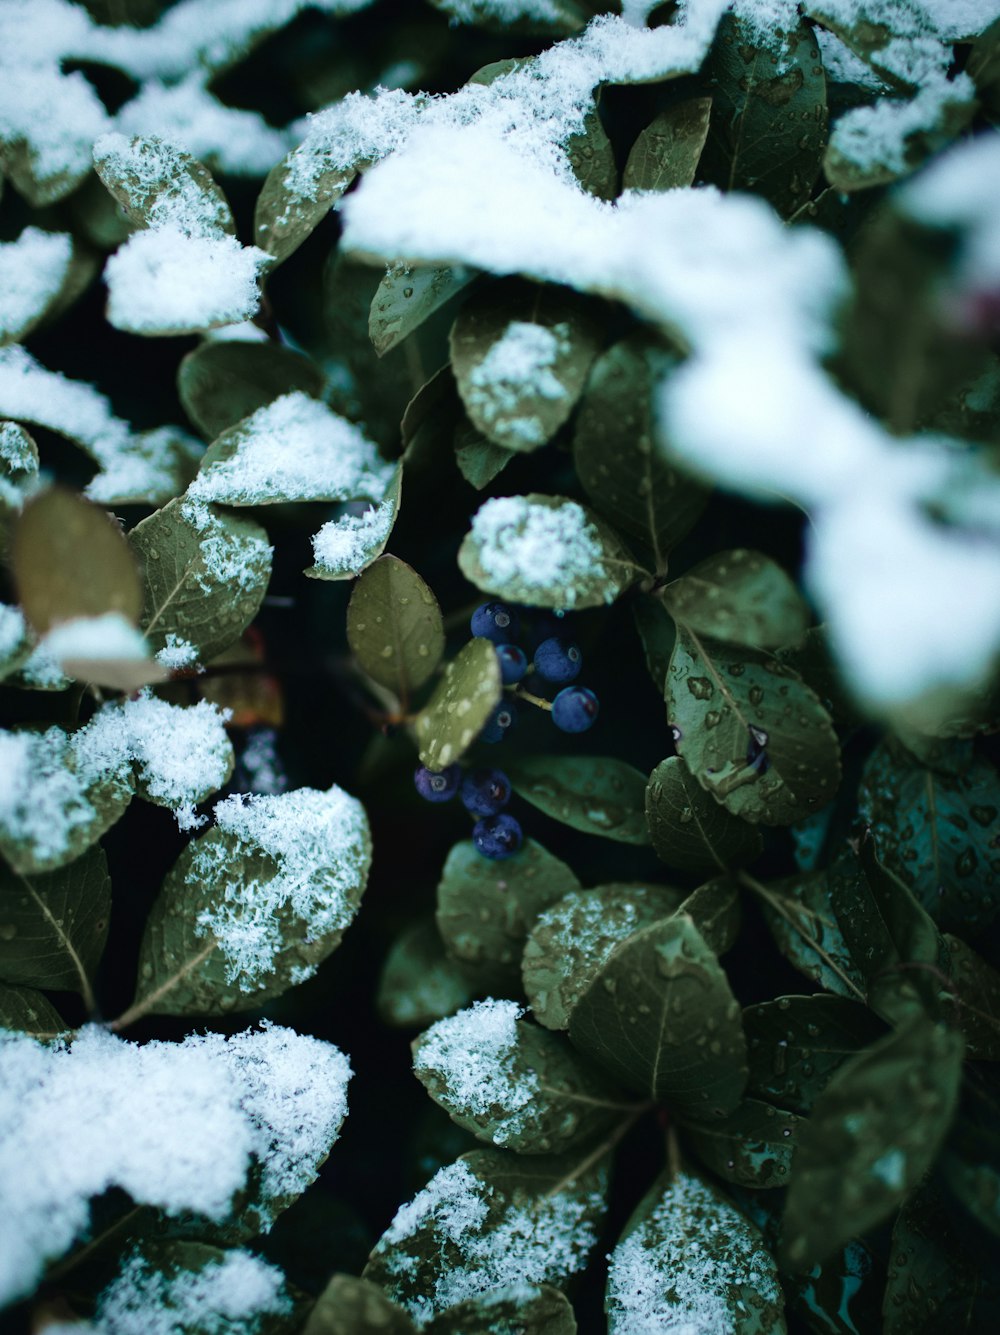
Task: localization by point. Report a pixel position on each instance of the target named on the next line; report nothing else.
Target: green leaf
(394, 627)
(488, 1221)
(592, 157)
(769, 115)
(887, 933)
(542, 1311)
(486, 909)
(750, 731)
(220, 383)
(71, 560)
(797, 1044)
(595, 794)
(574, 937)
(16, 640)
(804, 926)
(204, 573)
(347, 546)
(460, 706)
(741, 597)
(752, 1147)
(660, 1017)
(862, 161)
(520, 354)
(976, 992)
(512, 1084)
(687, 1258)
(665, 156)
(156, 183)
(658, 633)
(432, 422)
(253, 906)
(405, 298)
(29, 1012)
(813, 660)
(983, 67)
(351, 1306)
(53, 926)
(479, 460)
(932, 1276)
(939, 832)
(688, 827)
(296, 196)
(715, 910)
(874, 1132)
(650, 501)
(419, 983)
(587, 564)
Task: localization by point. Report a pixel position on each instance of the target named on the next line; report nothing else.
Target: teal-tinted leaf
(983, 67)
(933, 1279)
(813, 660)
(352, 1306)
(751, 732)
(394, 626)
(157, 183)
(752, 1147)
(485, 909)
(595, 794)
(573, 938)
(432, 422)
(296, 196)
(53, 926)
(741, 597)
(893, 942)
(512, 1084)
(205, 572)
(688, 827)
(769, 115)
(29, 1012)
(797, 1044)
(715, 910)
(649, 500)
(586, 563)
(542, 1311)
(479, 460)
(460, 706)
(801, 918)
(405, 298)
(874, 1132)
(419, 983)
(220, 383)
(665, 155)
(687, 1258)
(347, 546)
(489, 1221)
(592, 158)
(938, 831)
(559, 18)
(975, 987)
(657, 632)
(16, 640)
(660, 1017)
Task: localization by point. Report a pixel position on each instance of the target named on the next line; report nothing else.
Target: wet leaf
(873, 1133)
(419, 982)
(975, 987)
(220, 383)
(752, 733)
(621, 467)
(486, 909)
(53, 926)
(183, 186)
(740, 597)
(595, 794)
(460, 706)
(29, 1012)
(405, 298)
(352, 1306)
(931, 124)
(659, 1016)
(479, 460)
(933, 1281)
(752, 1147)
(296, 196)
(715, 910)
(394, 626)
(542, 1311)
(658, 633)
(688, 827)
(800, 915)
(592, 157)
(665, 156)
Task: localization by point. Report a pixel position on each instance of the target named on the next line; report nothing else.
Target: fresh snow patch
(539, 546)
(346, 545)
(227, 558)
(98, 638)
(177, 653)
(32, 272)
(516, 371)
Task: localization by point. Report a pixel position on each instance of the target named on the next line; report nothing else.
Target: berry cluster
(484, 794)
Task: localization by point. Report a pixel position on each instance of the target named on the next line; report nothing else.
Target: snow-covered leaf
(462, 703)
(345, 547)
(541, 1309)
(159, 185)
(597, 794)
(34, 270)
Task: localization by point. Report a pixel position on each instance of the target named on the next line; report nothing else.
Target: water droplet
(8, 931)
(700, 687)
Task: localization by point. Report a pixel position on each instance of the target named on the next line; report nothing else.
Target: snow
(961, 191)
(346, 545)
(232, 1295)
(98, 639)
(243, 559)
(32, 272)
(57, 116)
(841, 65)
(877, 137)
(516, 371)
(301, 856)
(294, 449)
(177, 653)
(539, 546)
(13, 631)
(176, 1125)
(504, 11)
(158, 187)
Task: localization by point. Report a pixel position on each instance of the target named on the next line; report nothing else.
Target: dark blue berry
(575, 709)
(437, 785)
(503, 718)
(497, 836)
(558, 661)
(485, 791)
(513, 663)
(496, 622)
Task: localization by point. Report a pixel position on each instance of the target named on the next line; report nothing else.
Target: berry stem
(532, 699)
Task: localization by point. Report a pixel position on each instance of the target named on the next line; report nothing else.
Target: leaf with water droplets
(485, 909)
(665, 155)
(220, 382)
(155, 181)
(752, 1147)
(769, 114)
(462, 703)
(798, 1043)
(297, 194)
(595, 794)
(740, 597)
(873, 1133)
(352, 1306)
(419, 983)
(26, 1011)
(933, 1280)
(690, 830)
(394, 626)
(407, 296)
(688, 1260)
(479, 460)
(804, 926)
(648, 499)
(521, 1307)
(660, 1017)
(975, 989)
(347, 546)
(751, 732)
(657, 632)
(592, 157)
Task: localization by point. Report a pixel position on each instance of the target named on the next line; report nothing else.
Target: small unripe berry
(437, 785)
(499, 722)
(497, 836)
(496, 622)
(558, 661)
(485, 791)
(513, 663)
(575, 709)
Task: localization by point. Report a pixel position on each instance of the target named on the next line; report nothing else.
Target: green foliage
(458, 710)
(595, 794)
(394, 626)
(220, 383)
(689, 829)
(666, 153)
